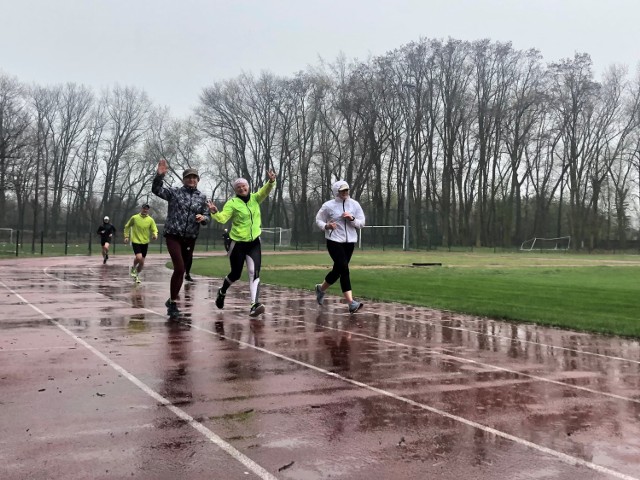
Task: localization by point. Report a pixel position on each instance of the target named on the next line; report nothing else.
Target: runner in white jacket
(340, 219)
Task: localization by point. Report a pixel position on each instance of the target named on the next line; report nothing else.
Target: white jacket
(332, 211)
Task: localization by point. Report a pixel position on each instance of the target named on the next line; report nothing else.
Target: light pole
(407, 190)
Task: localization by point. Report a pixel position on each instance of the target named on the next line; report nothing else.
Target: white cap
(106, 219)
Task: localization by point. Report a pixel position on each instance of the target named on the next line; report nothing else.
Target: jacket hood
(337, 186)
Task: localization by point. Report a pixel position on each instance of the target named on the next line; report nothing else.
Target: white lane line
(476, 332)
(478, 363)
(568, 459)
(212, 437)
(442, 353)
(467, 330)
(520, 441)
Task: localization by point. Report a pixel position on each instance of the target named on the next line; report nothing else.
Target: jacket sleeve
(154, 227)
(358, 213)
(127, 226)
(159, 189)
(99, 232)
(264, 191)
(321, 217)
(223, 216)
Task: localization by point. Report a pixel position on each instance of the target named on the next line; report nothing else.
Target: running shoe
(188, 278)
(133, 272)
(319, 294)
(220, 299)
(172, 308)
(256, 309)
(355, 306)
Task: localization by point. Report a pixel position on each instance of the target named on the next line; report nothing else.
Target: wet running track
(97, 383)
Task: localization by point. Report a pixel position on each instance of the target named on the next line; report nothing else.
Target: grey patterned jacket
(184, 204)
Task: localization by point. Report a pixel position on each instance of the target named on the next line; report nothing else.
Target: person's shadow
(256, 327)
(176, 385)
(338, 342)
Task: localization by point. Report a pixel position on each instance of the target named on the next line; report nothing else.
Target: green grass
(595, 293)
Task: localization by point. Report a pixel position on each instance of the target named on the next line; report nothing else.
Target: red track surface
(96, 382)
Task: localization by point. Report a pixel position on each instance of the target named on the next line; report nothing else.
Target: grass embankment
(581, 292)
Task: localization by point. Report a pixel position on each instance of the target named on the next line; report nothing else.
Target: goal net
(6, 235)
(381, 236)
(538, 243)
(278, 237)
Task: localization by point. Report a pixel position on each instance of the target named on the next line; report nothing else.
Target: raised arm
(158, 187)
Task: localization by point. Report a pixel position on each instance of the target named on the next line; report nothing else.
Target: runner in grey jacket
(187, 210)
(340, 219)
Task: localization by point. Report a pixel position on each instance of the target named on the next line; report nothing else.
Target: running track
(95, 382)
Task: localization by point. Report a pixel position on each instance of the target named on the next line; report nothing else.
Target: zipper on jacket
(346, 232)
(186, 220)
(250, 219)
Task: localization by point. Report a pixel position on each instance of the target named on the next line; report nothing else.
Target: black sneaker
(220, 299)
(105, 258)
(319, 294)
(188, 278)
(172, 308)
(256, 309)
(219, 327)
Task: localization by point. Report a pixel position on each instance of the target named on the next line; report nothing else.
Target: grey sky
(174, 48)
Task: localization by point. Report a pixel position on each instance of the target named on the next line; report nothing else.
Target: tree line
(485, 144)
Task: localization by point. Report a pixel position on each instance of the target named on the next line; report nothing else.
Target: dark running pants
(181, 252)
(341, 254)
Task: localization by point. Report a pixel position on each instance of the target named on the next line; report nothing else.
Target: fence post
(41, 242)
(66, 241)
(17, 241)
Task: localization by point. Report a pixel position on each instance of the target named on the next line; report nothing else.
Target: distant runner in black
(106, 232)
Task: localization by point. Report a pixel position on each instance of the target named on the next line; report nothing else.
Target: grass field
(595, 293)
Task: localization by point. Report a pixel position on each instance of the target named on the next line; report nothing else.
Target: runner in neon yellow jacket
(246, 226)
(139, 227)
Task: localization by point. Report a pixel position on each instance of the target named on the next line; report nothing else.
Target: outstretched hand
(272, 176)
(212, 206)
(162, 167)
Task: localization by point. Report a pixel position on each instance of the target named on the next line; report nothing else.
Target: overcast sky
(174, 48)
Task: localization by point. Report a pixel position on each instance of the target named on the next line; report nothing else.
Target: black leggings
(181, 251)
(239, 253)
(341, 255)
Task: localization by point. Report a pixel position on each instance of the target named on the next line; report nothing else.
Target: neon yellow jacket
(246, 222)
(140, 228)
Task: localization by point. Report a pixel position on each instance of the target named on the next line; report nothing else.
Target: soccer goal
(538, 243)
(278, 237)
(381, 236)
(6, 235)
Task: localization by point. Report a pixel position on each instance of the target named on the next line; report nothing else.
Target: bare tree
(14, 122)
(127, 113)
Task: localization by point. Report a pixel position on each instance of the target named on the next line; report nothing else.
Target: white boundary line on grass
(565, 458)
(212, 437)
